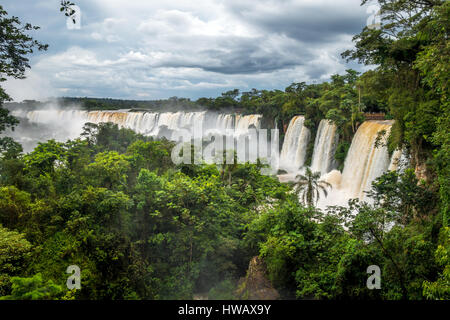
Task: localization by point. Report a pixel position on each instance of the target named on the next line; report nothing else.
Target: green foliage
(14, 205)
(285, 234)
(440, 289)
(350, 277)
(222, 291)
(402, 195)
(15, 254)
(341, 153)
(137, 226)
(33, 288)
(442, 159)
(45, 157)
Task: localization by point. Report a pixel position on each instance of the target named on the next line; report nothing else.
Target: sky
(144, 50)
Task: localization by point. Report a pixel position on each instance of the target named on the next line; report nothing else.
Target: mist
(45, 125)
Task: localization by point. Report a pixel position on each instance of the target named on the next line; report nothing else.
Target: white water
(223, 122)
(365, 161)
(324, 148)
(61, 125)
(399, 160)
(363, 164)
(147, 123)
(293, 152)
(243, 123)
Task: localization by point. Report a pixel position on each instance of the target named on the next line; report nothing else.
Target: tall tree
(15, 46)
(309, 187)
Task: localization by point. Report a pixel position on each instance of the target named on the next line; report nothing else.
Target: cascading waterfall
(150, 123)
(365, 161)
(399, 160)
(324, 148)
(363, 164)
(43, 125)
(51, 116)
(147, 123)
(140, 122)
(243, 123)
(293, 152)
(223, 122)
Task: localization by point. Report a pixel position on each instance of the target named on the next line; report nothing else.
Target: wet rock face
(256, 286)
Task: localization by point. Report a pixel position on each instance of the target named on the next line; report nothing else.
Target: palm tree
(309, 187)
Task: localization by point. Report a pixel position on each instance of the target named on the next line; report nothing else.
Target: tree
(434, 63)
(15, 45)
(109, 170)
(401, 195)
(440, 289)
(394, 42)
(309, 186)
(388, 235)
(285, 238)
(340, 103)
(15, 254)
(14, 206)
(46, 157)
(34, 288)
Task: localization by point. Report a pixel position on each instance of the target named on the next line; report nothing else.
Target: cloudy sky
(156, 49)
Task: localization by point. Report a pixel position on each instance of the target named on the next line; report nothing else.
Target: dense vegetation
(86, 103)
(140, 227)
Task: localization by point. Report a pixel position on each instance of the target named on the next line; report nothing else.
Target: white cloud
(159, 49)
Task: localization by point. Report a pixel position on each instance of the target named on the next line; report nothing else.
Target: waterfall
(149, 123)
(52, 116)
(365, 161)
(243, 123)
(224, 122)
(363, 164)
(117, 117)
(293, 152)
(395, 160)
(43, 125)
(324, 148)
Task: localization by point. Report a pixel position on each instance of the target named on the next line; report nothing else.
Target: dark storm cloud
(239, 64)
(250, 57)
(312, 23)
